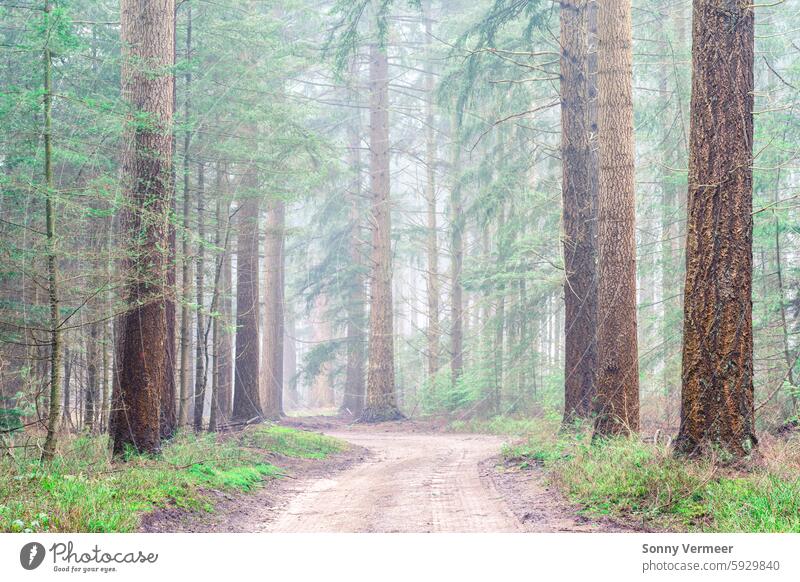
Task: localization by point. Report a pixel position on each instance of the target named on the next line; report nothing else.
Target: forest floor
(395, 477)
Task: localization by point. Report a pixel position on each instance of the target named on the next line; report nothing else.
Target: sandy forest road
(398, 477)
(410, 483)
(427, 482)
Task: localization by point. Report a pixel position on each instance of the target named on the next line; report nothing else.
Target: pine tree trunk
(353, 401)
(186, 270)
(381, 403)
(457, 222)
(169, 412)
(92, 375)
(717, 410)
(617, 397)
(246, 395)
(223, 347)
(578, 211)
(200, 348)
(56, 347)
(272, 355)
(433, 332)
(147, 37)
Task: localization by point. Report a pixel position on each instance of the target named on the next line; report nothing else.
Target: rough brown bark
(381, 403)
(272, 354)
(717, 410)
(617, 396)
(147, 37)
(578, 214)
(246, 397)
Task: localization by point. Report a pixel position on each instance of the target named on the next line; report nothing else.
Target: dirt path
(409, 483)
(398, 477)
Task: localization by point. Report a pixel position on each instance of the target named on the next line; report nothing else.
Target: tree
(246, 397)
(381, 403)
(223, 347)
(272, 355)
(56, 347)
(432, 238)
(579, 219)
(147, 37)
(617, 398)
(184, 399)
(717, 409)
(201, 348)
(353, 401)
(457, 223)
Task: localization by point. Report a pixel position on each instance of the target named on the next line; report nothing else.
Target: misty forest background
(271, 230)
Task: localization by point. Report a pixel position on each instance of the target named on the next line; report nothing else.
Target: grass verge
(84, 490)
(626, 477)
(299, 444)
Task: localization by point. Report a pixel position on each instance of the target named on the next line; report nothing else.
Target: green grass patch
(626, 477)
(83, 490)
(300, 444)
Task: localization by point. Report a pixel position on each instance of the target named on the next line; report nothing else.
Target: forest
(243, 240)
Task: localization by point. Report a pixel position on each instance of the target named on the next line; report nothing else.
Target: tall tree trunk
(617, 398)
(169, 412)
(457, 222)
(246, 396)
(353, 401)
(717, 410)
(147, 37)
(381, 401)
(92, 375)
(54, 414)
(578, 211)
(223, 347)
(272, 355)
(186, 267)
(201, 348)
(432, 247)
